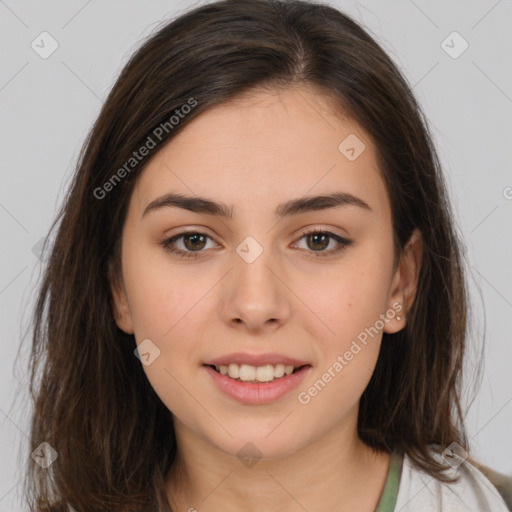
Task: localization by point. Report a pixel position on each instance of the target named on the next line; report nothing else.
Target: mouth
(256, 374)
(257, 385)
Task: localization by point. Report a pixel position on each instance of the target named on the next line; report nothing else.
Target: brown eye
(192, 243)
(317, 241)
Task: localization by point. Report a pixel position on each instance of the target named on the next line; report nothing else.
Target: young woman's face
(255, 283)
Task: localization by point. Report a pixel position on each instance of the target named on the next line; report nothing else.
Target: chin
(253, 445)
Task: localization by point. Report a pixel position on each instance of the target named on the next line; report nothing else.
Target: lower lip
(257, 393)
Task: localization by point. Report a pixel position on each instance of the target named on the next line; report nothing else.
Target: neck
(339, 474)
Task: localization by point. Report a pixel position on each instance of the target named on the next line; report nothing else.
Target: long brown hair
(92, 401)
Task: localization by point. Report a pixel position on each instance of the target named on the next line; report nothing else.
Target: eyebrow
(293, 207)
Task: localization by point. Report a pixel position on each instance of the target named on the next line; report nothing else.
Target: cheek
(164, 309)
(159, 295)
(167, 306)
(350, 302)
(352, 306)
(348, 354)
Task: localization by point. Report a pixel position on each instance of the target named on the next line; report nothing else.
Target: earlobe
(120, 306)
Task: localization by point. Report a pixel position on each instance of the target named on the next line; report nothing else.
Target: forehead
(264, 148)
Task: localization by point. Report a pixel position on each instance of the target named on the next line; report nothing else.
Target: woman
(256, 296)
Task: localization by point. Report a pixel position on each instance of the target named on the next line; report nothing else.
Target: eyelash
(168, 244)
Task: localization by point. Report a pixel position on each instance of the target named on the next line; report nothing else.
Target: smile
(244, 382)
(249, 373)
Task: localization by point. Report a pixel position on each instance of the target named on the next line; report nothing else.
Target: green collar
(387, 499)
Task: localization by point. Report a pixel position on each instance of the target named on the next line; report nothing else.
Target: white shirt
(418, 492)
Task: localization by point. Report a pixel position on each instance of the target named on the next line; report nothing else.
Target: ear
(405, 281)
(120, 305)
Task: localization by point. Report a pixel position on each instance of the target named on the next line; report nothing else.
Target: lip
(257, 393)
(256, 359)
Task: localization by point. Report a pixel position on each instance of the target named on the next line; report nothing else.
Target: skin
(252, 154)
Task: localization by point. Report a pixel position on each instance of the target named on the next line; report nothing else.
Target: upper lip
(256, 360)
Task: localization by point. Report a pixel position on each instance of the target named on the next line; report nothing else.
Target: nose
(254, 297)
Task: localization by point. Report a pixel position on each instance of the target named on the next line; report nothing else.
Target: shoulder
(472, 492)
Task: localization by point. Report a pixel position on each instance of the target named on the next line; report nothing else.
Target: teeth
(247, 373)
(234, 371)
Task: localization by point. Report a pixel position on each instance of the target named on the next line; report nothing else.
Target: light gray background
(48, 105)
